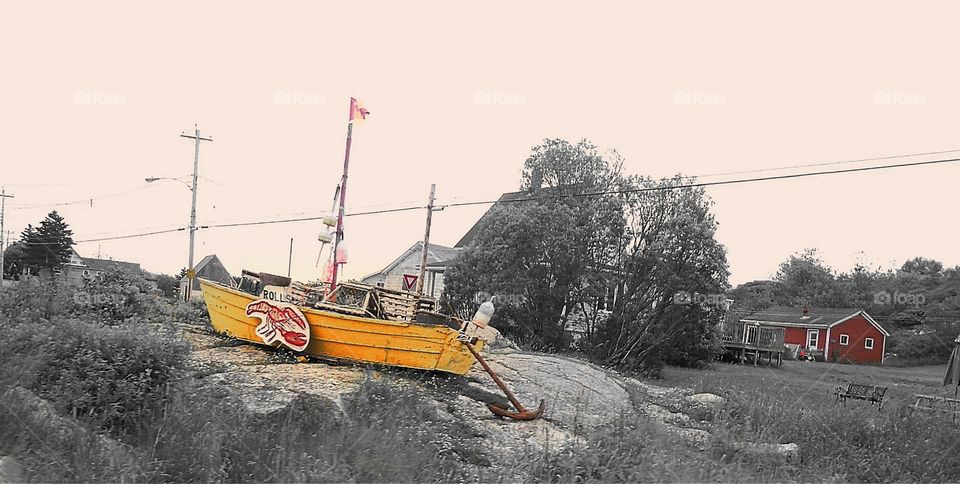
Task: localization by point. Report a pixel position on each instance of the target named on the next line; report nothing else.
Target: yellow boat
(367, 324)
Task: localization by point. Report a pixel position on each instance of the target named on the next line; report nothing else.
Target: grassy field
(119, 372)
(813, 383)
(852, 442)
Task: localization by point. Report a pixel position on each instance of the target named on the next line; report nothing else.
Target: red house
(833, 334)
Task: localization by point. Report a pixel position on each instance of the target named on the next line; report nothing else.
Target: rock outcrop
(42, 418)
(580, 397)
(11, 471)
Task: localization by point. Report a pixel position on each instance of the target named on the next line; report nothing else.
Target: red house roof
(815, 318)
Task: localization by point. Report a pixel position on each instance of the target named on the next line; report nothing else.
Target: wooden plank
(934, 397)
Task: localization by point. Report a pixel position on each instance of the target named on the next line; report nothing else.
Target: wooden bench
(870, 393)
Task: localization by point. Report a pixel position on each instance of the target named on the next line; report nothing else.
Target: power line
(829, 163)
(307, 219)
(574, 195)
(88, 200)
(708, 184)
(132, 236)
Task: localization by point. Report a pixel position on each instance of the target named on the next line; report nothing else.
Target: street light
(193, 206)
(158, 178)
(193, 225)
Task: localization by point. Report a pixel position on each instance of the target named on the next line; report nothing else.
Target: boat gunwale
(444, 340)
(327, 312)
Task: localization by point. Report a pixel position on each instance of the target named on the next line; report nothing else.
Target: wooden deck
(753, 340)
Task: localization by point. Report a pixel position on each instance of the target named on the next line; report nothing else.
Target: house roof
(106, 264)
(815, 318)
(443, 253)
(506, 197)
(437, 252)
(544, 192)
(200, 265)
(203, 262)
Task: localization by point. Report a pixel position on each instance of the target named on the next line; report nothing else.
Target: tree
(806, 280)
(167, 284)
(48, 245)
(754, 296)
(923, 267)
(589, 237)
(542, 253)
(669, 250)
(13, 258)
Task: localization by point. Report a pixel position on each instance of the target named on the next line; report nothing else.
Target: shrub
(32, 299)
(110, 375)
(204, 435)
(192, 312)
(930, 348)
(117, 297)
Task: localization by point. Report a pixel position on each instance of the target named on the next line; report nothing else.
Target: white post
(290, 257)
(3, 216)
(193, 207)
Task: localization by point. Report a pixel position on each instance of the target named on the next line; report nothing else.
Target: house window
(868, 343)
(844, 339)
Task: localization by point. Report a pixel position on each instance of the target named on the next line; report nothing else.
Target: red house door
(813, 335)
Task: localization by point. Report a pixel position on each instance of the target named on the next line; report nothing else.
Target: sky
(95, 96)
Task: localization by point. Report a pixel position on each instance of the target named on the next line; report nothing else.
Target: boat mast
(343, 197)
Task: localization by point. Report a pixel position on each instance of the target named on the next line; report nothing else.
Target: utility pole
(426, 241)
(3, 216)
(191, 274)
(290, 258)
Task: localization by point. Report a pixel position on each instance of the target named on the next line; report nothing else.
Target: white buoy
(484, 313)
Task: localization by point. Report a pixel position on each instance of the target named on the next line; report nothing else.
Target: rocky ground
(580, 397)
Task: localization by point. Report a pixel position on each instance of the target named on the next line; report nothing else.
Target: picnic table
(871, 393)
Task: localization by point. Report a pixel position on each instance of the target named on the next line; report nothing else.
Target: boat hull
(345, 337)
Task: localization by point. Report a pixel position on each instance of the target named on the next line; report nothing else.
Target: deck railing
(745, 335)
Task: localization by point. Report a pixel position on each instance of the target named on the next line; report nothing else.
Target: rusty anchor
(522, 413)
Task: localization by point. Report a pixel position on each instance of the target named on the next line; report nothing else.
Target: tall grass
(134, 412)
(209, 437)
(852, 442)
(107, 372)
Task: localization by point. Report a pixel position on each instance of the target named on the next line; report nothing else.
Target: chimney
(536, 180)
(805, 310)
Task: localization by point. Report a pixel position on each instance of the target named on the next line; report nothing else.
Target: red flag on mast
(356, 110)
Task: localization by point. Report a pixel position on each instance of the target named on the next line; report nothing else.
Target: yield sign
(409, 282)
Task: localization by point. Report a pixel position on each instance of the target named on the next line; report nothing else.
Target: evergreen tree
(48, 245)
